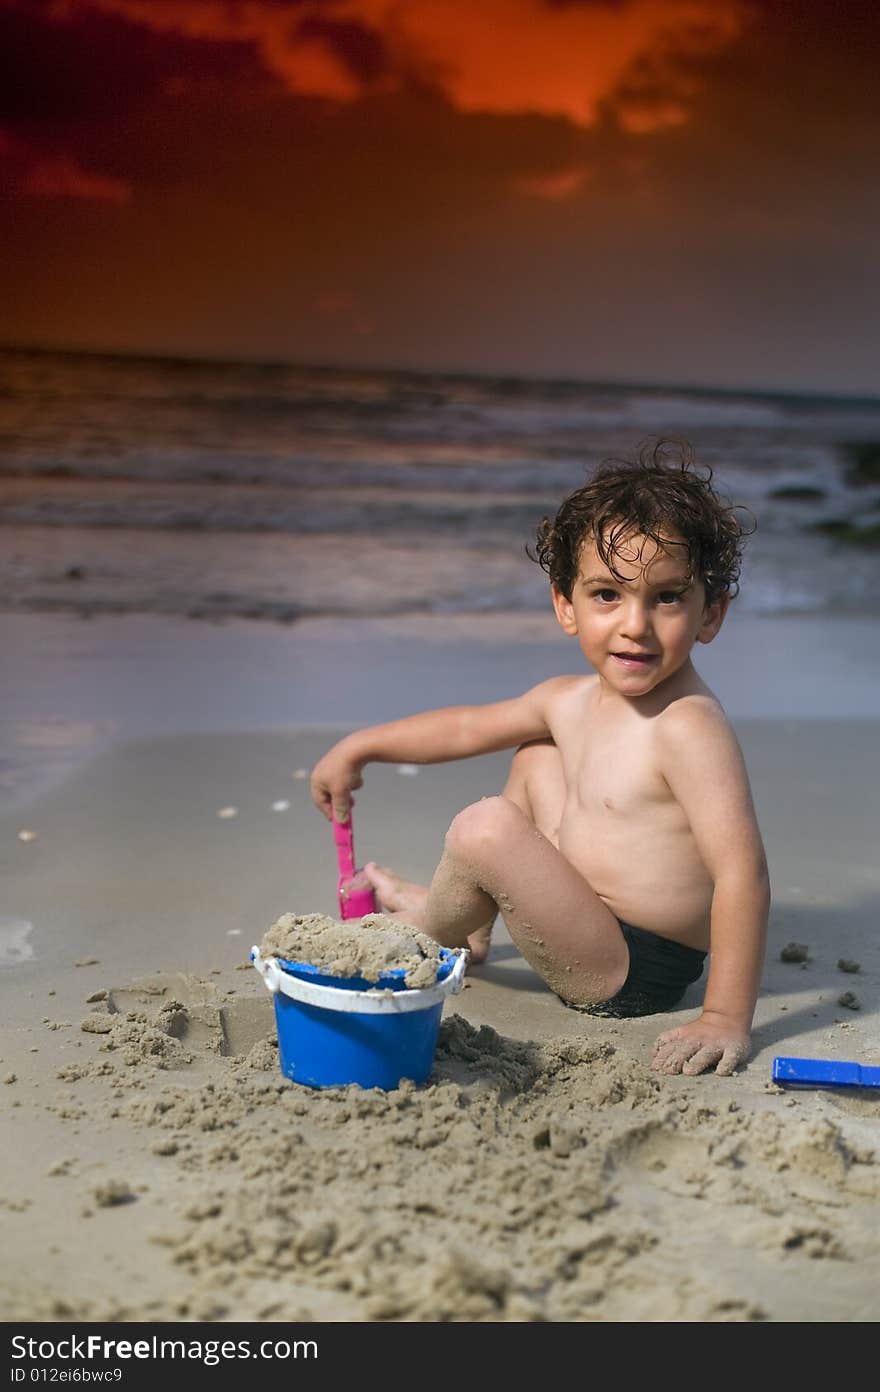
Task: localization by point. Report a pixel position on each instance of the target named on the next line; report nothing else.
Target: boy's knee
(482, 825)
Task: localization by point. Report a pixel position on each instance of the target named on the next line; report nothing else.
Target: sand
(371, 947)
(156, 1165)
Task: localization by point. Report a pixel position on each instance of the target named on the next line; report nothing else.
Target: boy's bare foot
(479, 944)
(399, 898)
(405, 901)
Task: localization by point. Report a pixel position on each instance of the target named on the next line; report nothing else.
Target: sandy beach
(157, 1166)
(329, 330)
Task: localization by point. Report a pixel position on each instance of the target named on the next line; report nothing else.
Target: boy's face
(637, 631)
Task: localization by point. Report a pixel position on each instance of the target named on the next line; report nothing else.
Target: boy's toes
(479, 944)
(383, 882)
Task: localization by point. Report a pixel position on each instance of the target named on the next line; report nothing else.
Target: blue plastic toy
(803, 1072)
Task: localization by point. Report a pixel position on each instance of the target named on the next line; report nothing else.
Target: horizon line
(466, 374)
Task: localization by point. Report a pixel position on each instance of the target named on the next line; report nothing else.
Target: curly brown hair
(661, 494)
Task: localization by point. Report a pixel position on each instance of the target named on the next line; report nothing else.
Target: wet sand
(156, 1165)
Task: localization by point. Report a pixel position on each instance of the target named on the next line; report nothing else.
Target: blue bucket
(336, 1031)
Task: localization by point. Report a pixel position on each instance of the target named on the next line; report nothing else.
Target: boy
(625, 844)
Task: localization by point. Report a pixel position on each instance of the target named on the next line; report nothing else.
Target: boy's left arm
(704, 767)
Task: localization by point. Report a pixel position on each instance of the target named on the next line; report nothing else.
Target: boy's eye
(605, 595)
(669, 596)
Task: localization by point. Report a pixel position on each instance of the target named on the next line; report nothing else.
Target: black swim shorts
(660, 972)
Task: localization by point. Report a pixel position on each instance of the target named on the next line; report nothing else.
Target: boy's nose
(635, 622)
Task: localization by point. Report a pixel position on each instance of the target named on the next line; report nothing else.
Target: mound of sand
(369, 947)
(553, 1180)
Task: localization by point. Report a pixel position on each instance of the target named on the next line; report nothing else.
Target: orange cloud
(515, 56)
(499, 56)
(30, 171)
(642, 119)
(64, 178)
(561, 184)
(295, 42)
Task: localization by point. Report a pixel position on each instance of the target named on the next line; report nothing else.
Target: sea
(283, 492)
(201, 546)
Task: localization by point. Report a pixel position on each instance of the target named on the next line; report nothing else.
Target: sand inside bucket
(369, 947)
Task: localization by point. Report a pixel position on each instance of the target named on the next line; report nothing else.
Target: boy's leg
(497, 857)
(536, 784)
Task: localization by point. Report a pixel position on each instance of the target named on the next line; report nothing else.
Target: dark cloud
(776, 109)
(89, 64)
(163, 110)
(361, 48)
(116, 96)
(457, 233)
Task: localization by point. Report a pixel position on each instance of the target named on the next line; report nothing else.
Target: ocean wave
(211, 488)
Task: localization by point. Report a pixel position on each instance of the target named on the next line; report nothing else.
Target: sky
(670, 191)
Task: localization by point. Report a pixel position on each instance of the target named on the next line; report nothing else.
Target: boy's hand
(333, 779)
(694, 1047)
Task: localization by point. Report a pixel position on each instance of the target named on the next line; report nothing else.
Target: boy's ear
(564, 611)
(713, 618)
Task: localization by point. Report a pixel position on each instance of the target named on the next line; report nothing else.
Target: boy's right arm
(431, 737)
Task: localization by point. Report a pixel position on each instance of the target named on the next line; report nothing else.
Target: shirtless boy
(625, 846)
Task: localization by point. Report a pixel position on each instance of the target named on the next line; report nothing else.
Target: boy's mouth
(635, 660)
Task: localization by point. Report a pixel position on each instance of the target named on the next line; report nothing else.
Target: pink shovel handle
(354, 900)
(343, 835)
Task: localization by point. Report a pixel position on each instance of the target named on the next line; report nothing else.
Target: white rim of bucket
(379, 1001)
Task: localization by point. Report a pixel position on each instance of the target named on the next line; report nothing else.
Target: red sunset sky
(654, 190)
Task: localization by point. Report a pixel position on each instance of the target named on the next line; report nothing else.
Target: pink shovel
(353, 890)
